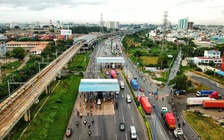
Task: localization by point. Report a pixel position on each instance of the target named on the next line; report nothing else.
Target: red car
(68, 132)
(141, 90)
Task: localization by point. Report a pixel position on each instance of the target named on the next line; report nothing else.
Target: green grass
(52, 120)
(11, 65)
(205, 126)
(81, 61)
(146, 60)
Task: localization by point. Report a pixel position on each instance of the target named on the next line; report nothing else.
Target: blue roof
(88, 85)
(220, 72)
(110, 60)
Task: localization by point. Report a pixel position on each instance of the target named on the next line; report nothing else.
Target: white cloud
(150, 11)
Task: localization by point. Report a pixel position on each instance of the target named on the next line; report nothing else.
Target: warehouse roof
(87, 85)
(110, 60)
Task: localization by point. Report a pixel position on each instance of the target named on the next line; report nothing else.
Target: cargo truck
(113, 74)
(204, 93)
(164, 110)
(215, 95)
(213, 104)
(146, 105)
(122, 84)
(170, 120)
(134, 84)
(197, 100)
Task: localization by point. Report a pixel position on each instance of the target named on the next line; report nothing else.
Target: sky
(124, 11)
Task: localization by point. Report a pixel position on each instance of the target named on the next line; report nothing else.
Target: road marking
(132, 120)
(121, 107)
(126, 136)
(80, 137)
(116, 136)
(159, 115)
(122, 95)
(129, 106)
(123, 119)
(170, 133)
(114, 120)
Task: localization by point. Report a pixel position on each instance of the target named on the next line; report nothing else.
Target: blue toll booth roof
(92, 85)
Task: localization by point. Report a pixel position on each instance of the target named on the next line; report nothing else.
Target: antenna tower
(165, 23)
(101, 23)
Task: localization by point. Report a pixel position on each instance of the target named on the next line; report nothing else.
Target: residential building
(2, 45)
(212, 54)
(182, 24)
(190, 25)
(112, 24)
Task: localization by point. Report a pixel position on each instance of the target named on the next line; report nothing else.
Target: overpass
(18, 104)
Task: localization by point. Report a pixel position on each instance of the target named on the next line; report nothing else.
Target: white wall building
(2, 45)
(112, 24)
(212, 54)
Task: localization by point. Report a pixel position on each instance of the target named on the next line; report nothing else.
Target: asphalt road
(106, 127)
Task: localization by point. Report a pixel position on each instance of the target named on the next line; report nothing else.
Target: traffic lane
(130, 114)
(209, 83)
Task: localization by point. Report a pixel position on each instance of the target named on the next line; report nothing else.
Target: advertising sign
(66, 32)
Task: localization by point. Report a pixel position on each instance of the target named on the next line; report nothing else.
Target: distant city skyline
(124, 11)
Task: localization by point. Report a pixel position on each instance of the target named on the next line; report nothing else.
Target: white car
(98, 102)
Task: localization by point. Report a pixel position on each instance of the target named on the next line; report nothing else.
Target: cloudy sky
(125, 11)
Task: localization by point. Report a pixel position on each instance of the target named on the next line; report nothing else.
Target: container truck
(215, 95)
(113, 74)
(170, 120)
(204, 93)
(134, 84)
(197, 100)
(146, 105)
(122, 84)
(213, 104)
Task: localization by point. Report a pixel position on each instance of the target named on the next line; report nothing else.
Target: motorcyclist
(77, 122)
(183, 123)
(85, 122)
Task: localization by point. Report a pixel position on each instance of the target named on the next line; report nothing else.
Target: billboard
(66, 32)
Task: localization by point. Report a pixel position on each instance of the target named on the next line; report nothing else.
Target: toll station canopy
(92, 85)
(110, 60)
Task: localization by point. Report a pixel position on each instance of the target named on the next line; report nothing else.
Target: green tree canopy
(18, 53)
(180, 82)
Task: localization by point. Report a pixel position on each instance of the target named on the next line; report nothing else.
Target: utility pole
(165, 22)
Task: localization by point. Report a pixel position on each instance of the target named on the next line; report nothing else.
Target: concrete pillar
(27, 116)
(59, 74)
(66, 66)
(48, 89)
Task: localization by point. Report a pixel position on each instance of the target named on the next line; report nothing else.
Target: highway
(106, 127)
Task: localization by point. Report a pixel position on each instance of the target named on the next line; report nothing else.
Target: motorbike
(89, 132)
(77, 122)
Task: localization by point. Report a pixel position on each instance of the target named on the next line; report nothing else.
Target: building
(212, 54)
(182, 24)
(190, 25)
(112, 24)
(27, 46)
(2, 45)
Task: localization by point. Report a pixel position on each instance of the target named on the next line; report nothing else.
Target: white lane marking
(170, 133)
(129, 106)
(126, 136)
(122, 95)
(80, 137)
(114, 120)
(121, 107)
(132, 120)
(159, 115)
(116, 136)
(123, 119)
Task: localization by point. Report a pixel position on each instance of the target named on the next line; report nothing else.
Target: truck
(122, 84)
(164, 110)
(134, 84)
(197, 100)
(213, 104)
(215, 95)
(204, 93)
(146, 105)
(179, 134)
(113, 74)
(170, 120)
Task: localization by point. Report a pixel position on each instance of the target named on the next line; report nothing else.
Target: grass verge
(204, 126)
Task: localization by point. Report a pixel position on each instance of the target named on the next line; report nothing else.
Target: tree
(18, 53)
(180, 82)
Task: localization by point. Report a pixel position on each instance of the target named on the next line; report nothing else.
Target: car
(141, 90)
(117, 92)
(122, 126)
(98, 102)
(117, 72)
(128, 99)
(68, 132)
(179, 92)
